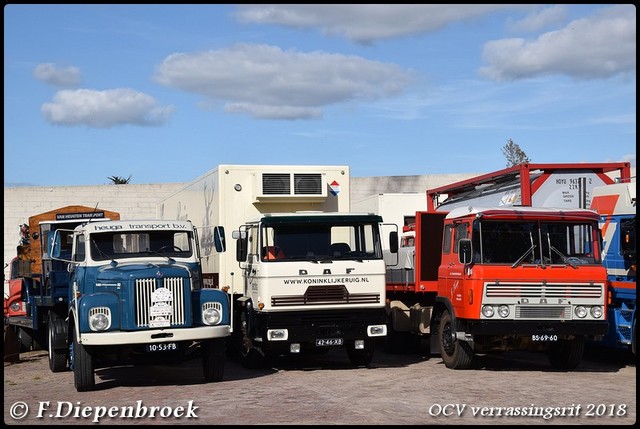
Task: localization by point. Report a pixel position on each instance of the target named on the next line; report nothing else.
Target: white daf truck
(304, 273)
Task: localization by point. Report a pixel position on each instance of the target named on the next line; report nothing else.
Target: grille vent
(299, 185)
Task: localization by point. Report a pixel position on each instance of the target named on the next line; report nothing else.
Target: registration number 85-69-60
(544, 337)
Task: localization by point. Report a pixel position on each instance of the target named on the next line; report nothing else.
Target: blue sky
(165, 93)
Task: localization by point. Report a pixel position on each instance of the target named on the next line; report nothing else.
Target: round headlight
(15, 306)
(596, 312)
(581, 312)
(487, 311)
(211, 316)
(99, 322)
(503, 310)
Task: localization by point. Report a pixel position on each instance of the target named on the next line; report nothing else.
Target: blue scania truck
(98, 291)
(616, 204)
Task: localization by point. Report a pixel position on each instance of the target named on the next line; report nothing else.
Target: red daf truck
(491, 273)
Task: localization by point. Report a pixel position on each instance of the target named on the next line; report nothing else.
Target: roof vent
(274, 186)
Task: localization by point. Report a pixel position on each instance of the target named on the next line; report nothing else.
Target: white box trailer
(304, 273)
(231, 195)
(398, 208)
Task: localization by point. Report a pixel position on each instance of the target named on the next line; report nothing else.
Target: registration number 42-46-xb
(323, 342)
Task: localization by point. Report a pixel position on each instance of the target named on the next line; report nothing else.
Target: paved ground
(395, 389)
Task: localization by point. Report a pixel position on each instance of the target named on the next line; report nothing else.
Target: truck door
(253, 262)
(453, 269)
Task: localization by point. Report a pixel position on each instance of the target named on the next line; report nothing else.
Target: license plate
(161, 347)
(323, 342)
(544, 338)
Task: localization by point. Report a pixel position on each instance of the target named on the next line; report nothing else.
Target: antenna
(95, 209)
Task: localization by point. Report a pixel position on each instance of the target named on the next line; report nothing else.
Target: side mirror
(393, 241)
(55, 244)
(219, 240)
(465, 251)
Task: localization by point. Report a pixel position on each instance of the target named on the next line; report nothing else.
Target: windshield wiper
(103, 254)
(521, 258)
(564, 258)
(163, 255)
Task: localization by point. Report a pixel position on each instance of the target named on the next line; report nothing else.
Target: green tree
(117, 180)
(514, 154)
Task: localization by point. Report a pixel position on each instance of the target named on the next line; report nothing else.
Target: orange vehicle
(485, 279)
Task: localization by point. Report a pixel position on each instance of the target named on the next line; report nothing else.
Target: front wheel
(57, 359)
(213, 352)
(455, 354)
(83, 377)
(250, 357)
(567, 354)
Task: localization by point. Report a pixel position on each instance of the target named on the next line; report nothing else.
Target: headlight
(503, 310)
(15, 306)
(376, 330)
(211, 313)
(487, 311)
(596, 312)
(581, 312)
(278, 335)
(100, 318)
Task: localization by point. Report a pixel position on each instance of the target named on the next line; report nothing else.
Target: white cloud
(591, 48)
(366, 23)
(105, 109)
(59, 77)
(541, 19)
(267, 82)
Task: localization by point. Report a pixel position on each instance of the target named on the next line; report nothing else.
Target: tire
(83, 367)
(213, 356)
(250, 357)
(633, 335)
(57, 359)
(567, 354)
(455, 354)
(360, 357)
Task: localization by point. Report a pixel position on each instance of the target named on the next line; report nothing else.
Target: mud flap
(11, 345)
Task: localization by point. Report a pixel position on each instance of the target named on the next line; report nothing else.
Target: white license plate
(544, 338)
(323, 342)
(162, 347)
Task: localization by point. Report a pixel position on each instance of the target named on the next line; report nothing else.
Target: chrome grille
(543, 291)
(555, 312)
(325, 295)
(143, 290)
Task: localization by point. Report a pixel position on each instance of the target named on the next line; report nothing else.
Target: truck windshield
(320, 242)
(111, 245)
(532, 242)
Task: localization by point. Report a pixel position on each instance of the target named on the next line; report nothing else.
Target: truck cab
(135, 295)
(311, 281)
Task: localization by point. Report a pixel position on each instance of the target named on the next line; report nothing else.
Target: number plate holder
(161, 347)
(328, 342)
(545, 338)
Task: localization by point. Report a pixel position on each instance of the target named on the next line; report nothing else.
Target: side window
(446, 240)
(253, 241)
(460, 233)
(79, 254)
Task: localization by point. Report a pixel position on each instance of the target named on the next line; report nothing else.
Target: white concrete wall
(139, 201)
(131, 201)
